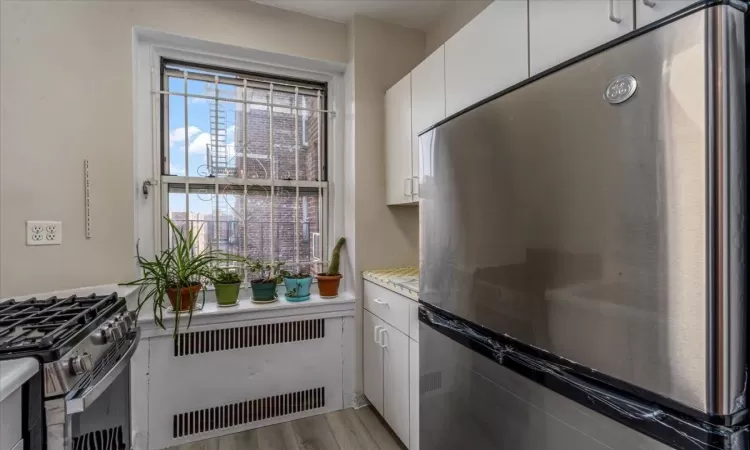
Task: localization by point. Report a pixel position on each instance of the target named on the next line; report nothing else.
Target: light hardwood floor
(350, 429)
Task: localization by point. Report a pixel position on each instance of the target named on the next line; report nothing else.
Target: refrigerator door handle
(375, 335)
(649, 3)
(612, 15)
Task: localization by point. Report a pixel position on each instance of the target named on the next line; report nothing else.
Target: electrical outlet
(43, 232)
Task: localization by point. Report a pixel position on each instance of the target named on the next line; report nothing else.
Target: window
(244, 161)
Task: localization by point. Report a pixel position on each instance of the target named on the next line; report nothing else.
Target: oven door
(98, 409)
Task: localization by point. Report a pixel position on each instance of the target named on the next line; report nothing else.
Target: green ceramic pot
(263, 292)
(227, 294)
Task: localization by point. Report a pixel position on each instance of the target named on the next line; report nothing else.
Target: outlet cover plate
(43, 232)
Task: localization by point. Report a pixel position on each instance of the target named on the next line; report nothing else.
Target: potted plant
(328, 281)
(226, 286)
(297, 286)
(176, 273)
(265, 279)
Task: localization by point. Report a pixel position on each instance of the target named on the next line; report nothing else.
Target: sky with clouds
(198, 135)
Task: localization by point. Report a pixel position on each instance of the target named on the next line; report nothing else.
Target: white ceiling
(417, 14)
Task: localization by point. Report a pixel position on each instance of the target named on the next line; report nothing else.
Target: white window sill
(245, 310)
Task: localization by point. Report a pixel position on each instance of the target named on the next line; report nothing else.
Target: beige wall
(383, 54)
(460, 13)
(380, 236)
(66, 95)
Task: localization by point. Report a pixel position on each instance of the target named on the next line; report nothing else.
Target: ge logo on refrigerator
(620, 89)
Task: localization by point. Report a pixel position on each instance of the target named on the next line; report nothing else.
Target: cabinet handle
(649, 3)
(383, 333)
(416, 185)
(380, 302)
(407, 187)
(375, 335)
(612, 15)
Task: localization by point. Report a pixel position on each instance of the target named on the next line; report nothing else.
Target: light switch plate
(43, 232)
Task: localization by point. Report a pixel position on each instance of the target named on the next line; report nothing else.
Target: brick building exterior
(257, 163)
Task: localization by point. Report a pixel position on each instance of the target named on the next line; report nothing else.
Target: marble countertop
(14, 373)
(402, 280)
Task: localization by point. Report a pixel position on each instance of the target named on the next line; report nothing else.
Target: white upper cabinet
(428, 91)
(487, 55)
(398, 143)
(427, 103)
(647, 11)
(562, 29)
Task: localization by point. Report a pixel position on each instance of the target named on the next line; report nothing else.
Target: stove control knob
(113, 333)
(100, 336)
(80, 364)
(122, 325)
(125, 318)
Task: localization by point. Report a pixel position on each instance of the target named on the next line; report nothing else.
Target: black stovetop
(48, 328)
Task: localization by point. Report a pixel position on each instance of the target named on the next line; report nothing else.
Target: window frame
(150, 48)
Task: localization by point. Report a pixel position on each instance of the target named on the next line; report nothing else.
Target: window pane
(202, 204)
(256, 158)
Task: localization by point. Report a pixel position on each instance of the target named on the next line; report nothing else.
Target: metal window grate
(108, 439)
(242, 413)
(239, 153)
(430, 382)
(198, 342)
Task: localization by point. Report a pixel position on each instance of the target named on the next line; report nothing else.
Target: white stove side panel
(182, 384)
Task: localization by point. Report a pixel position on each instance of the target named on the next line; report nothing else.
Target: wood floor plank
(277, 437)
(349, 431)
(313, 433)
(246, 440)
(385, 439)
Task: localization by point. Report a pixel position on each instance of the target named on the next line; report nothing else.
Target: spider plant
(176, 273)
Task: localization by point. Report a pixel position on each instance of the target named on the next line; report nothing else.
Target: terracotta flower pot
(328, 285)
(187, 297)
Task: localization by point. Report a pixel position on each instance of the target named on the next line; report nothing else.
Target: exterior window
(244, 161)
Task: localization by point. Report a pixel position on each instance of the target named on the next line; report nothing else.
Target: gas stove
(84, 344)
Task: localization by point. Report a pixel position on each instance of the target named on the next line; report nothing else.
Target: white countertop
(14, 373)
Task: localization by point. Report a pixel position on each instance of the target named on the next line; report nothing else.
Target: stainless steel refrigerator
(583, 251)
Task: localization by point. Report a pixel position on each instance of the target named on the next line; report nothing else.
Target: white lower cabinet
(413, 395)
(373, 360)
(396, 381)
(391, 365)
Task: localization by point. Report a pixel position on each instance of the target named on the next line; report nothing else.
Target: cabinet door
(647, 11)
(562, 29)
(427, 102)
(487, 55)
(373, 361)
(396, 381)
(398, 158)
(413, 395)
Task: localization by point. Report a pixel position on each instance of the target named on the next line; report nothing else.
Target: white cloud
(174, 170)
(178, 134)
(198, 145)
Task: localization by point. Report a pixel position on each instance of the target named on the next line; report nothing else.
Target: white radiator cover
(224, 378)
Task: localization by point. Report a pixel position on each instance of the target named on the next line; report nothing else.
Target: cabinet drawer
(389, 306)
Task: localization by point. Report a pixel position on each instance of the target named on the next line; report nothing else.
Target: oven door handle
(80, 402)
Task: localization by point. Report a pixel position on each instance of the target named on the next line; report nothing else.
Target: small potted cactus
(328, 281)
